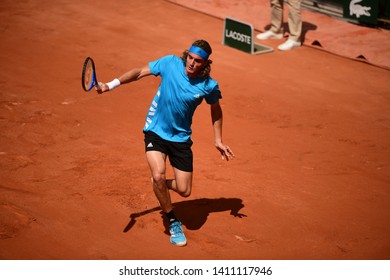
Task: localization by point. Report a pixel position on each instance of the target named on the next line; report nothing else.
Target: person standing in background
(294, 24)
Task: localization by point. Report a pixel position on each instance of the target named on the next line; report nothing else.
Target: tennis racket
(88, 76)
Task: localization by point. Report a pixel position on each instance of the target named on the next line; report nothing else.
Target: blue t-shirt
(170, 114)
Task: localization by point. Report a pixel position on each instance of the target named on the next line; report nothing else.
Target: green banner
(238, 35)
(365, 11)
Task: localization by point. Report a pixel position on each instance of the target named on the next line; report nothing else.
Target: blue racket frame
(93, 81)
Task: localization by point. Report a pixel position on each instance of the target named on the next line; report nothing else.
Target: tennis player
(185, 82)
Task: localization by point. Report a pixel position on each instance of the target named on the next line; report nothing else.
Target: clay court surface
(310, 130)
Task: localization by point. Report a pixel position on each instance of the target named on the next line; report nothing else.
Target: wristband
(113, 84)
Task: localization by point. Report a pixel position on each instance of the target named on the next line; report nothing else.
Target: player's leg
(182, 184)
(181, 159)
(156, 154)
(157, 165)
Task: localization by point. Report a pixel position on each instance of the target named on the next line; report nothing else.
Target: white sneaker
(269, 35)
(289, 45)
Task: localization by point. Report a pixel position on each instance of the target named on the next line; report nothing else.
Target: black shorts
(179, 153)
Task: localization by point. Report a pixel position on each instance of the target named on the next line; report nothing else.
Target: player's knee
(158, 179)
(184, 192)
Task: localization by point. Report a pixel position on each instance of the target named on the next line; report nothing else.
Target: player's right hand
(101, 87)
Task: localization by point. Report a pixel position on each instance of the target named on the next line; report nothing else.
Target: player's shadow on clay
(193, 213)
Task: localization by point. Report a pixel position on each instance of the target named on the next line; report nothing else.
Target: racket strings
(88, 75)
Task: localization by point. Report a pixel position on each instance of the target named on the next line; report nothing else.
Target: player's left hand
(226, 153)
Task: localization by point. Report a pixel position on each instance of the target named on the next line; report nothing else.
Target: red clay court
(310, 129)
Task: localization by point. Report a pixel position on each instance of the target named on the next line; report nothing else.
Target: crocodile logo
(358, 10)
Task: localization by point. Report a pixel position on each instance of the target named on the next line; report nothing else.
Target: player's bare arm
(216, 117)
(134, 74)
(128, 77)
